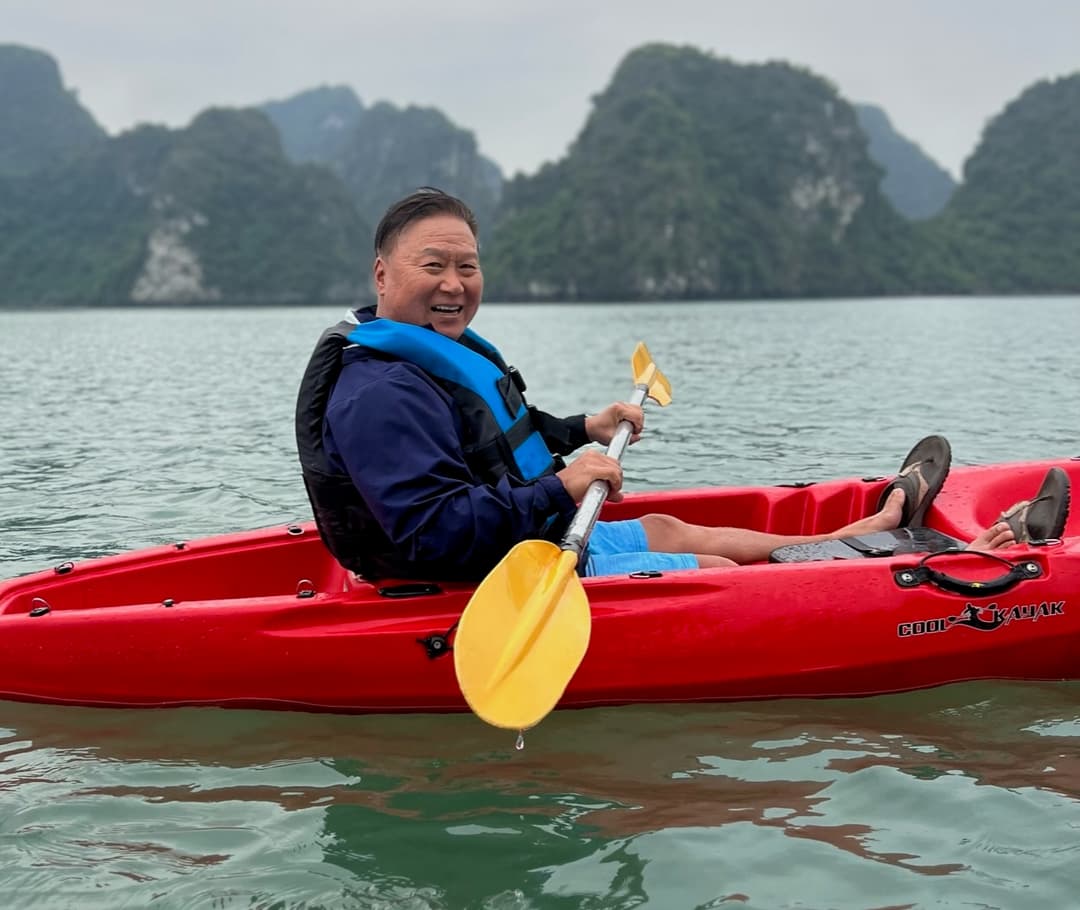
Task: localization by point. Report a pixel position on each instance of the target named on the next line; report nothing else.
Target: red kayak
(267, 619)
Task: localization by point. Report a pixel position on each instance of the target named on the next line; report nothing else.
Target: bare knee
(668, 534)
(659, 522)
(665, 533)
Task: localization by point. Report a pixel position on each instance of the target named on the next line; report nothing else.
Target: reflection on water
(967, 796)
(968, 793)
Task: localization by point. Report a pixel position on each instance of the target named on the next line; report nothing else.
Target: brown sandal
(1041, 518)
(929, 462)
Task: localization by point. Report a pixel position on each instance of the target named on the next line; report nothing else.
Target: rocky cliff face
(1014, 224)
(213, 213)
(42, 122)
(172, 271)
(315, 125)
(699, 177)
(384, 152)
(693, 177)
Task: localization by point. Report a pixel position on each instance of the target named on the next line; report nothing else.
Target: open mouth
(447, 309)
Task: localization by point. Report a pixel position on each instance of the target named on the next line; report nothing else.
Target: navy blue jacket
(397, 434)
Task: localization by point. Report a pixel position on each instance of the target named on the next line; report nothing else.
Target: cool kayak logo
(985, 619)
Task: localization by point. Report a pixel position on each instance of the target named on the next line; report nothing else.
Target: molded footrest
(880, 543)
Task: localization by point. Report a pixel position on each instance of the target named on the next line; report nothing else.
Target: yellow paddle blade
(522, 636)
(647, 374)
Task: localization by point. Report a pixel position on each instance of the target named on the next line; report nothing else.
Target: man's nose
(452, 284)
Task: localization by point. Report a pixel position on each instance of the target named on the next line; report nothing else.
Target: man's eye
(432, 265)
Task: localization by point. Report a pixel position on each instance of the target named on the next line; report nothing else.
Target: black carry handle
(1017, 572)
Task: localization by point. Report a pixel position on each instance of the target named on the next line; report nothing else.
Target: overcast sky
(520, 75)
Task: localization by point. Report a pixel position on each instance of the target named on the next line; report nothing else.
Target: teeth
(447, 309)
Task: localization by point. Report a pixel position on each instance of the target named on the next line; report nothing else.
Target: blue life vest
(499, 436)
(488, 392)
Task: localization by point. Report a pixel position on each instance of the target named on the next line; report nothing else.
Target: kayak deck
(267, 618)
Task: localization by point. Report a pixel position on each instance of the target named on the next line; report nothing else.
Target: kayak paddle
(525, 630)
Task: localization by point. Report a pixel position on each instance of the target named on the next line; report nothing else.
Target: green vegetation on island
(693, 177)
(213, 213)
(696, 177)
(1014, 222)
(383, 152)
(43, 123)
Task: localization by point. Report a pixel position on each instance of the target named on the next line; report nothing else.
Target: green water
(121, 429)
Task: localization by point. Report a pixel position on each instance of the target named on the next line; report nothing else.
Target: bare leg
(738, 546)
(668, 534)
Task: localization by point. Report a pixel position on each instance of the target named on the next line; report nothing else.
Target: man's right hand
(589, 466)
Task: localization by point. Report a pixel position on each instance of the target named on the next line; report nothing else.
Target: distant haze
(520, 75)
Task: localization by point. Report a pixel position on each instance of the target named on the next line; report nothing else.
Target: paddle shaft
(577, 535)
(526, 628)
(547, 595)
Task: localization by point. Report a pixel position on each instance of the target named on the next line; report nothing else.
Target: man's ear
(378, 272)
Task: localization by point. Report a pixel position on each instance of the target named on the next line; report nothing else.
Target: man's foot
(889, 516)
(891, 513)
(997, 535)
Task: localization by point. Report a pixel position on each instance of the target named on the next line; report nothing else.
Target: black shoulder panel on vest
(315, 388)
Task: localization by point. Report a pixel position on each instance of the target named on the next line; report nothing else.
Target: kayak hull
(266, 618)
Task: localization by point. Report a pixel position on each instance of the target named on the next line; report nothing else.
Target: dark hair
(425, 202)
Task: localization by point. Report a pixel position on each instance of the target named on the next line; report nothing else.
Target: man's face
(431, 275)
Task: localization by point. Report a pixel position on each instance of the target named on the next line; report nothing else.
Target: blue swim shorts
(620, 547)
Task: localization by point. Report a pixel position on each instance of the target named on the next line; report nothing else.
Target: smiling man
(419, 453)
(427, 271)
(422, 459)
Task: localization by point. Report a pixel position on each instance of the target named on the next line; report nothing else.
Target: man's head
(427, 264)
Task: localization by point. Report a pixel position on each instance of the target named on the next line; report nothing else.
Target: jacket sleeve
(563, 435)
(398, 440)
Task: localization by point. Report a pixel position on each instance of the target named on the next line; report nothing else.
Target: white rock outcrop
(172, 272)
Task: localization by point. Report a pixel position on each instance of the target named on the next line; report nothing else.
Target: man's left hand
(601, 427)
